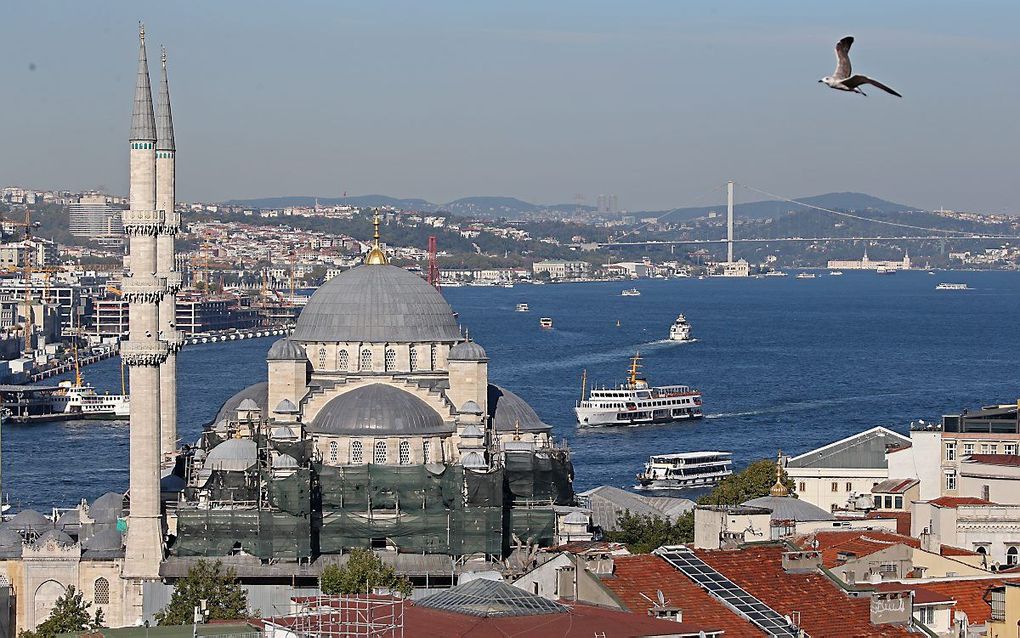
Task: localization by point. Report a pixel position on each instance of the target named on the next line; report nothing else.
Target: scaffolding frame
(348, 616)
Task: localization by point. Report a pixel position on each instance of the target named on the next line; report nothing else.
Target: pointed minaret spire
(164, 119)
(143, 122)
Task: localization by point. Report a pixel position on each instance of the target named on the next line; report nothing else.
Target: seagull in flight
(842, 80)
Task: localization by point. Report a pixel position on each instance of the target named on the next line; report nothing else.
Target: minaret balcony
(174, 339)
(171, 223)
(143, 289)
(142, 222)
(143, 353)
(174, 281)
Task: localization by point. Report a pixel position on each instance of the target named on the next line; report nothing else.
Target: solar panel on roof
(731, 594)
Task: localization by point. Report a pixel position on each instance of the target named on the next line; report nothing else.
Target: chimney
(891, 607)
(801, 562)
(930, 542)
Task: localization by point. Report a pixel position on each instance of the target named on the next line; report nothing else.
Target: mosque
(377, 428)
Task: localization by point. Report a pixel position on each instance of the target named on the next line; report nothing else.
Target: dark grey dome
(70, 518)
(467, 351)
(29, 520)
(507, 410)
(107, 508)
(11, 543)
(788, 508)
(286, 350)
(258, 392)
(378, 409)
(55, 535)
(105, 539)
(376, 303)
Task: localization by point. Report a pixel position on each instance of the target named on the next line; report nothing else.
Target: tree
(70, 613)
(756, 480)
(641, 534)
(363, 572)
(224, 596)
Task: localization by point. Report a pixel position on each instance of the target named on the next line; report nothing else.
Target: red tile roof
(644, 574)
(995, 459)
(902, 519)
(581, 621)
(969, 595)
(825, 610)
(922, 595)
(862, 543)
(956, 501)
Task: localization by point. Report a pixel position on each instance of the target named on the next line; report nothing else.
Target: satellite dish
(662, 599)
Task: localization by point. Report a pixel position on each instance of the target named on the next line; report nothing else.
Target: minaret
(143, 352)
(166, 267)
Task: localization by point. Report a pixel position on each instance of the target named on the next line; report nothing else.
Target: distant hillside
(359, 200)
(489, 207)
(859, 202)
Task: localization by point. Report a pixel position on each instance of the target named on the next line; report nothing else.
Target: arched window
(390, 360)
(334, 452)
(102, 596)
(426, 450)
(433, 356)
(404, 452)
(366, 359)
(322, 358)
(414, 358)
(357, 453)
(343, 360)
(981, 550)
(1011, 556)
(380, 453)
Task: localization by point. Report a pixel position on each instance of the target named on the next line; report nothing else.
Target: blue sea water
(782, 363)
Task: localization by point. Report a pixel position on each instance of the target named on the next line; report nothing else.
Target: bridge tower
(729, 221)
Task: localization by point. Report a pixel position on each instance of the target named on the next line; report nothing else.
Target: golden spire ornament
(779, 489)
(376, 256)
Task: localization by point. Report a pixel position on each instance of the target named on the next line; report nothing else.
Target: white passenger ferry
(806, 275)
(636, 403)
(77, 398)
(946, 286)
(685, 469)
(680, 330)
(631, 292)
(522, 307)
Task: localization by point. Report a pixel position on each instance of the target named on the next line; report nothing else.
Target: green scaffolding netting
(266, 535)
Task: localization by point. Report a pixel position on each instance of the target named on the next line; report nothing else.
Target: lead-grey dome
(55, 535)
(376, 303)
(29, 520)
(11, 543)
(258, 392)
(233, 455)
(107, 508)
(467, 351)
(788, 508)
(507, 410)
(377, 409)
(286, 350)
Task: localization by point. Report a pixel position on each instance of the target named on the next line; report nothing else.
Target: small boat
(806, 275)
(508, 285)
(931, 272)
(775, 273)
(685, 470)
(545, 322)
(680, 331)
(883, 270)
(631, 292)
(522, 307)
(947, 286)
(836, 273)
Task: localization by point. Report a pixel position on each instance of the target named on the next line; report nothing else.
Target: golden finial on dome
(779, 489)
(376, 256)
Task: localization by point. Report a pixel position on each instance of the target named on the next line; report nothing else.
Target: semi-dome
(286, 350)
(467, 351)
(258, 392)
(508, 410)
(233, 455)
(788, 508)
(377, 303)
(377, 409)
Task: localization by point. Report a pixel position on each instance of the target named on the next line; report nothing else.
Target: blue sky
(657, 101)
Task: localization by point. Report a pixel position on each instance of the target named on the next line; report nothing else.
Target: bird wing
(855, 81)
(843, 58)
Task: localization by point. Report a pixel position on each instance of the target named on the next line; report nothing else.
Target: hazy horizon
(657, 102)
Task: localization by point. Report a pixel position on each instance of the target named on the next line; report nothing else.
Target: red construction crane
(433, 263)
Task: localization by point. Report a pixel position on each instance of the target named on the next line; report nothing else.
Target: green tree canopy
(224, 596)
(754, 481)
(641, 534)
(362, 573)
(70, 613)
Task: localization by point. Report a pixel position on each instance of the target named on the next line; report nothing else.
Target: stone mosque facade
(378, 427)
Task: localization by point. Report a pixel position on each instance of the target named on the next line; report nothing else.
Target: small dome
(471, 432)
(105, 539)
(470, 407)
(467, 351)
(29, 520)
(474, 460)
(233, 455)
(107, 508)
(171, 483)
(576, 518)
(377, 409)
(258, 392)
(286, 407)
(70, 518)
(248, 405)
(55, 535)
(9, 539)
(787, 508)
(284, 462)
(282, 432)
(508, 410)
(377, 304)
(286, 350)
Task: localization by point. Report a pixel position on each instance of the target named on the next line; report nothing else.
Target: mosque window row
(142, 145)
(334, 452)
(426, 450)
(343, 359)
(379, 458)
(357, 453)
(404, 453)
(414, 359)
(102, 591)
(322, 357)
(391, 359)
(366, 359)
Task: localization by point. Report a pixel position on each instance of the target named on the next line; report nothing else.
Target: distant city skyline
(658, 103)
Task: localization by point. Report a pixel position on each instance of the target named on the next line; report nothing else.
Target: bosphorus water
(782, 362)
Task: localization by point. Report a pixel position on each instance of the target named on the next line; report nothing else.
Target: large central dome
(377, 303)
